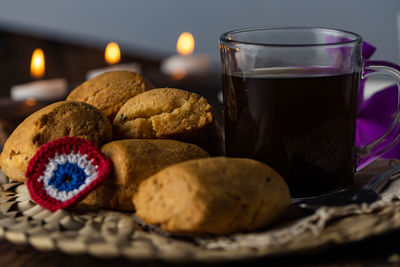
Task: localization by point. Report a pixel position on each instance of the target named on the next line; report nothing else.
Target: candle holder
(185, 63)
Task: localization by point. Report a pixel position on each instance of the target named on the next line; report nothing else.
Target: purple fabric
(367, 49)
(376, 114)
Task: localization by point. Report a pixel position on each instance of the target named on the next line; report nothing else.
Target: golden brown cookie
(167, 113)
(134, 160)
(110, 90)
(162, 113)
(212, 196)
(65, 118)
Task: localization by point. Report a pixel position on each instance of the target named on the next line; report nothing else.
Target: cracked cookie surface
(110, 90)
(65, 118)
(134, 160)
(163, 113)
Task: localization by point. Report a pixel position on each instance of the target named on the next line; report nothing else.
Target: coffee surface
(300, 121)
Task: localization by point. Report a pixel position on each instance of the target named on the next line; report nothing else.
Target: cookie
(110, 90)
(134, 160)
(65, 118)
(167, 113)
(212, 196)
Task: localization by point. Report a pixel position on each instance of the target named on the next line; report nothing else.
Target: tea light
(112, 55)
(45, 90)
(134, 67)
(185, 62)
(53, 89)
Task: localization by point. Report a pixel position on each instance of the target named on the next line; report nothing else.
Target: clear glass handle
(368, 153)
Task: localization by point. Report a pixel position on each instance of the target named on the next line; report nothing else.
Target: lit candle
(185, 62)
(44, 90)
(112, 56)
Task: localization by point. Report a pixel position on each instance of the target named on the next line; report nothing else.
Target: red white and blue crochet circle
(64, 171)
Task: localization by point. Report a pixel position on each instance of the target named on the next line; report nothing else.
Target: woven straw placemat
(106, 233)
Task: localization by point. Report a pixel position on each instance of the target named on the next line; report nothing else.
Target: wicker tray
(105, 233)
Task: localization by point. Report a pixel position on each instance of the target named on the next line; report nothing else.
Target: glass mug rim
(354, 37)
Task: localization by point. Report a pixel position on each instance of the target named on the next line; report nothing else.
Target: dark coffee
(300, 121)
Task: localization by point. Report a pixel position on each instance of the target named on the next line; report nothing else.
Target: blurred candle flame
(37, 64)
(185, 44)
(112, 54)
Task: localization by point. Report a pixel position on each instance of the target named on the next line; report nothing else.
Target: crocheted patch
(64, 171)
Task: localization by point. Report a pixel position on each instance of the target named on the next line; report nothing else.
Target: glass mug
(290, 100)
